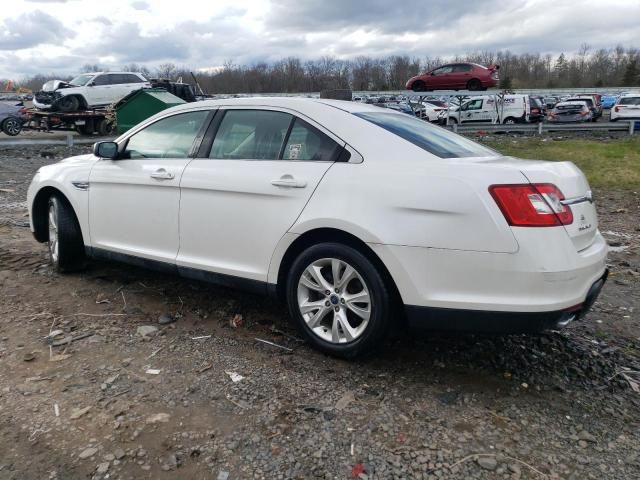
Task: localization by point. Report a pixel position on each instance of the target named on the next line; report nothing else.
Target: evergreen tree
(631, 73)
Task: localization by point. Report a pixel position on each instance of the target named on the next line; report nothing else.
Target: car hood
(53, 85)
(86, 158)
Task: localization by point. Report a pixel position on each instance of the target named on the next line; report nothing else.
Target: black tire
(452, 120)
(418, 86)
(68, 104)
(379, 321)
(70, 255)
(509, 121)
(474, 85)
(104, 128)
(84, 129)
(12, 126)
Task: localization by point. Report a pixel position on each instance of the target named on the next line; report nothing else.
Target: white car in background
(358, 217)
(627, 107)
(507, 109)
(88, 90)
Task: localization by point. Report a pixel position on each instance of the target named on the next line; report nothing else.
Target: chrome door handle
(162, 174)
(288, 181)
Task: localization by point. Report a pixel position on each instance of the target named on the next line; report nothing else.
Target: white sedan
(627, 107)
(362, 220)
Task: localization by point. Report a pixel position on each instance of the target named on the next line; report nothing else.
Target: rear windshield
(571, 106)
(629, 101)
(588, 101)
(433, 139)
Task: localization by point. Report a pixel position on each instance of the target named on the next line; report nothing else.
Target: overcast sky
(62, 35)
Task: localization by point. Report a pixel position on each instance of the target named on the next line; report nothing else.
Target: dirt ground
(116, 404)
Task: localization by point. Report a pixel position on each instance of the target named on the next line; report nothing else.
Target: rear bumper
(448, 319)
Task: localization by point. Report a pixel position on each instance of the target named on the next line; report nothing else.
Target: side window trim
(210, 134)
(286, 137)
(197, 142)
(290, 111)
(218, 115)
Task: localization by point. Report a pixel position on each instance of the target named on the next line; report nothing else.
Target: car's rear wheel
(69, 104)
(339, 300)
(105, 128)
(12, 126)
(509, 121)
(66, 248)
(474, 85)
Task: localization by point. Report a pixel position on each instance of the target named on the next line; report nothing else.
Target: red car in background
(456, 76)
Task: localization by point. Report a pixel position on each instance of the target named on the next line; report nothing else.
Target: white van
(491, 109)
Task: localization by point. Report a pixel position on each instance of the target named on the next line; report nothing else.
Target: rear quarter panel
(413, 199)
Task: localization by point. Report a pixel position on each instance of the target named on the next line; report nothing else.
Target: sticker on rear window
(294, 151)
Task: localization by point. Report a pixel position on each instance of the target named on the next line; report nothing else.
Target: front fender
(61, 178)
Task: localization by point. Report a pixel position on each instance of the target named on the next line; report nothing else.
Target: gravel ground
(122, 405)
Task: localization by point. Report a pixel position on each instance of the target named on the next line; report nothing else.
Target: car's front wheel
(339, 299)
(69, 103)
(66, 247)
(419, 86)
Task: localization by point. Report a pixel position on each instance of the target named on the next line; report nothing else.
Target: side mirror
(106, 150)
(90, 84)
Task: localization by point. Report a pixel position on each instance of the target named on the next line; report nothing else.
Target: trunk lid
(573, 185)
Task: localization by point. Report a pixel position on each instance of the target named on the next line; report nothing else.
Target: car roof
(572, 102)
(100, 73)
(295, 103)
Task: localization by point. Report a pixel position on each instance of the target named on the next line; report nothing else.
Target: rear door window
(462, 68)
(131, 78)
(250, 135)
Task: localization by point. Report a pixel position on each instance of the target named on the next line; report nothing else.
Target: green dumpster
(141, 104)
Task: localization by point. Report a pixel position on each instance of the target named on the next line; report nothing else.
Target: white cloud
(59, 35)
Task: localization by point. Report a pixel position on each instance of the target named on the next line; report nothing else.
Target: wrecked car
(89, 90)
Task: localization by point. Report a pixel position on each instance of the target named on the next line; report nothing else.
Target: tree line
(588, 67)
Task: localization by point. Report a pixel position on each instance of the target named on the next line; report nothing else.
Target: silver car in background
(11, 118)
(571, 111)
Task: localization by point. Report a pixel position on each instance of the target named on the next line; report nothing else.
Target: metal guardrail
(541, 128)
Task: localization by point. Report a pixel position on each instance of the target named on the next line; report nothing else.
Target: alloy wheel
(334, 300)
(12, 126)
(53, 232)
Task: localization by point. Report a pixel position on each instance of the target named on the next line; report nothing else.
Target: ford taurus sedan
(364, 221)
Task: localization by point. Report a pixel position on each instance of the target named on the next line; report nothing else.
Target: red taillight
(532, 205)
(584, 113)
(617, 109)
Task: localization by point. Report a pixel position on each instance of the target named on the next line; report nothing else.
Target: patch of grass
(609, 163)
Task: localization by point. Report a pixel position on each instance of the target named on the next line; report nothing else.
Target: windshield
(433, 139)
(81, 80)
(629, 101)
